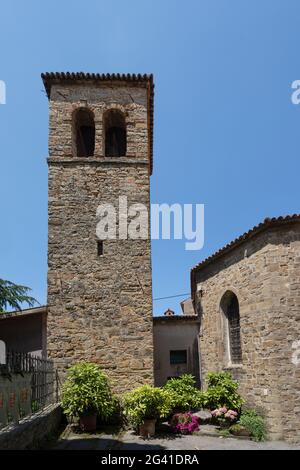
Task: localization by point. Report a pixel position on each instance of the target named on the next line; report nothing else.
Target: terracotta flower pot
(147, 429)
(241, 432)
(88, 422)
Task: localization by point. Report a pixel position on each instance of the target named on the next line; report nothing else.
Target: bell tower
(99, 291)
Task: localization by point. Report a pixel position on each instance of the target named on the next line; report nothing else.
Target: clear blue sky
(226, 132)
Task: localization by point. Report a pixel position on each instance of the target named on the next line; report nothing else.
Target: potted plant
(253, 423)
(144, 405)
(185, 396)
(222, 391)
(86, 393)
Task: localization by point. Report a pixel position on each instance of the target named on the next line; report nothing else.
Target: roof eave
(268, 223)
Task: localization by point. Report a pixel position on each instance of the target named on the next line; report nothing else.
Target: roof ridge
(101, 74)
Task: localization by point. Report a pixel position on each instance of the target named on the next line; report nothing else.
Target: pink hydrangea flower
(184, 423)
(223, 410)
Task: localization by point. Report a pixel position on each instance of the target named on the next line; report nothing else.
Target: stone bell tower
(99, 291)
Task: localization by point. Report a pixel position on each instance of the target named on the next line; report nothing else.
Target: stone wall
(100, 307)
(32, 430)
(264, 273)
(130, 98)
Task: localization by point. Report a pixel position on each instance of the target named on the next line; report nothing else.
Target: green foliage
(35, 406)
(235, 428)
(254, 423)
(221, 379)
(238, 430)
(184, 394)
(14, 295)
(146, 402)
(222, 391)
(224, 432)
(87, 391)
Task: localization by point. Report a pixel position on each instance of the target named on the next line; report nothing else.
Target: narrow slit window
(100, 248)
(232, 331)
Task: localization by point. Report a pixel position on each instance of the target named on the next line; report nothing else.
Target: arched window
(231, 311)
(84, 133)
(115, 133)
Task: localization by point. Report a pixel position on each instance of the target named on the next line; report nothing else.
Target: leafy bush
(235, 428)
(87, 391)
(238, 430)
(254, 423)
(184, 423)
(184, 394)
(222, 392)
(221, 379)
(224, 432)
(146, 402)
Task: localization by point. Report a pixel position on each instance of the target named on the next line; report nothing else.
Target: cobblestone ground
(70, 440)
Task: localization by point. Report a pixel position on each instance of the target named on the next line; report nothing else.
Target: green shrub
(224, 432)
(87, 391)
(184, 394)
(222, 379)
(222, 391)
(254, 423)
(236, 428)
(239, 430)
(146, 402)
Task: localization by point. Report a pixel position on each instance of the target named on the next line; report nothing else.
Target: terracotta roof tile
(172, 318)
(267, 223)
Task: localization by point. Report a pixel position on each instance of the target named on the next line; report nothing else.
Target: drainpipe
(196, 294)
(199, 355)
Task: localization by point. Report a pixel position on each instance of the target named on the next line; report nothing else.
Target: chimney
(169, 313)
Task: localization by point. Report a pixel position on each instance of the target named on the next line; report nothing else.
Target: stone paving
(128, 440)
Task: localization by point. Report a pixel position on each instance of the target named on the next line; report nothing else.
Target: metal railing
(27, 385)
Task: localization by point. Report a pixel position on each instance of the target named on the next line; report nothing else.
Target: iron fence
(27, 385)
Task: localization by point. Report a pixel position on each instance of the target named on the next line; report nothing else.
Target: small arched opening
(84, 133)
(115, 133)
